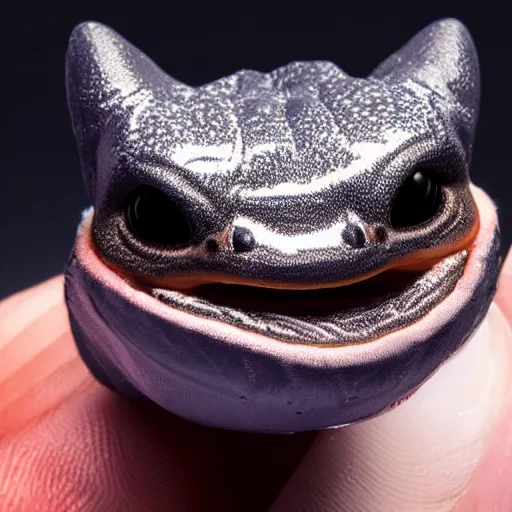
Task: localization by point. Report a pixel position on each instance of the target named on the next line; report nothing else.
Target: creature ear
(102, 71)
(442, 57)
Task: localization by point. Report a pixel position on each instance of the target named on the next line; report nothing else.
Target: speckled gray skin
(309, 161)
(303, 150)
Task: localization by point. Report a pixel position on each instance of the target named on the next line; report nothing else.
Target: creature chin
(221, 375)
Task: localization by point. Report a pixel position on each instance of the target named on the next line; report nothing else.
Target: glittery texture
(218, 375)
(288, 180)
(295, 156)
(336, 322)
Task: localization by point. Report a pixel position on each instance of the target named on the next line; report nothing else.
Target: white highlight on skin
(111, 62)
(260, 149)
(203, 159)
(422, 454)
(139, 101)
(210, 158)
(367, 153)
(83, 217)
(292, 244)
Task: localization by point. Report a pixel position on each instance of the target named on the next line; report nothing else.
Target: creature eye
(418, 200)
(154, 217)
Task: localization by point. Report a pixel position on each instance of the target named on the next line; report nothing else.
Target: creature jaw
(244, 380)
(352, 314)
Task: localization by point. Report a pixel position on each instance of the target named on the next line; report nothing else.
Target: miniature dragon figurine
(283, 251)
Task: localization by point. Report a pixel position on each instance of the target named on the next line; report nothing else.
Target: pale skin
(67, 443)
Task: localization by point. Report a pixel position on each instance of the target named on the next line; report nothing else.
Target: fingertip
(51, 282)
(490, 487)
(504, 293)
(422, 454)
(20, 309)
(39, 364)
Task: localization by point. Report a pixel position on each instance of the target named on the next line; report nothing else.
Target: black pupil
(154, 217)
(417, 201)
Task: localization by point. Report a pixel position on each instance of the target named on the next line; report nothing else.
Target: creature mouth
(346, 315)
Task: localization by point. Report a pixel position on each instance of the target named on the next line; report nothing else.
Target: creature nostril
(354, 236)
(243, 239)
(212, 245)
(381, 234)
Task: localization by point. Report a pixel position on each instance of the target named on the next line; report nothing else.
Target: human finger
(424, 454)
(66, 441)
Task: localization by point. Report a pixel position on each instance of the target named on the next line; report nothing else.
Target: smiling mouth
(346, 315)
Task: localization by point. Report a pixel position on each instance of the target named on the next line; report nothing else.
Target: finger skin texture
(490, 487)
(423, 454)
(504, 295)
(67, 443)
(13, 319)
(227, 377)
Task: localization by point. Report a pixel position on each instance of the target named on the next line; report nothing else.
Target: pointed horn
(102, 70)
(443, 58)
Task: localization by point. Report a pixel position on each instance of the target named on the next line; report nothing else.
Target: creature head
(311, 170)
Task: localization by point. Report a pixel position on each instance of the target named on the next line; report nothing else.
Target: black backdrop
(42, 194)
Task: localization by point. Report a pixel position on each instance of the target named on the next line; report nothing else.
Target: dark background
(42, 194)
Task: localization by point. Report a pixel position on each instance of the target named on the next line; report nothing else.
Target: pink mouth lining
(310, 355)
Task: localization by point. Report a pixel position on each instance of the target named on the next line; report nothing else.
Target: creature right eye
(152, 216)
(418, 200)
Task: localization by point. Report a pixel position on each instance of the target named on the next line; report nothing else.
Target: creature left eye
(417, 201)
(152, 216)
